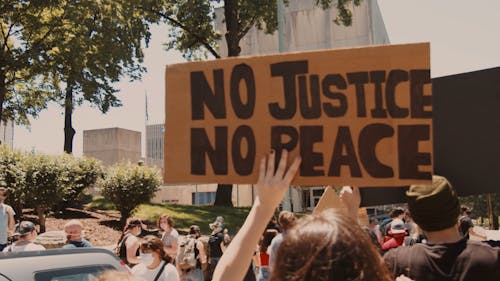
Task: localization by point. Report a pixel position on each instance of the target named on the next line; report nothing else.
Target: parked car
(78, 264)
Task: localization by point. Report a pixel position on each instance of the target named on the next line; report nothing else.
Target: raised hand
(272, 185)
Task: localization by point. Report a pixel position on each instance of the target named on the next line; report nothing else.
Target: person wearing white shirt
(27, 233)
(155, 263)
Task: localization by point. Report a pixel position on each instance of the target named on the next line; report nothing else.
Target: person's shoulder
(34, 247)
(174, 233)
(69, 246)
(140, 267)
(170, 273)
(86, 244)
(478, 246)
(402, 251)
(9, 209)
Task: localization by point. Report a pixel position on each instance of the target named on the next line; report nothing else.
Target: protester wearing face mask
(170, 236)
(6, 219)
(156, 264)
(73, 230)
(128, 245)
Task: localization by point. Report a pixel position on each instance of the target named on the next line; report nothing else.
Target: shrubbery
(130, 185)
(46, 182)
(43, 182)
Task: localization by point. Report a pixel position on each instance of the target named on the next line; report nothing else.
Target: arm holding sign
(271, 188)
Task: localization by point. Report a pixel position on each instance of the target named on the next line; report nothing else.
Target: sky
(464, 37)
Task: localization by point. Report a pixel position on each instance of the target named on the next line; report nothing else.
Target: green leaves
(194, 34)
(129, 185)
(45, 180)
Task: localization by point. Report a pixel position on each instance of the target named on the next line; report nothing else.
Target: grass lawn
(186, 215)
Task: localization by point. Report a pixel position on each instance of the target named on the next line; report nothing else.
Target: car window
(83, 273)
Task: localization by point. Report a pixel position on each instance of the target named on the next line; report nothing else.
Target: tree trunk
(223, 196)
(123, 219)
(491, 213)
(3, 92)
(41, 217)
(69, 132)
(232, 26)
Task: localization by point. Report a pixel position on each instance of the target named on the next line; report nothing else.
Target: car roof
(22, 265)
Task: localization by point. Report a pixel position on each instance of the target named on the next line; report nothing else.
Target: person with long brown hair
(327, 246)
(170, 236)
(156, 264)
(128, 244)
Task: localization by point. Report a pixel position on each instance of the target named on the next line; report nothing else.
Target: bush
(77, 174)
(12, 175)
(44, 183)
(128, 186)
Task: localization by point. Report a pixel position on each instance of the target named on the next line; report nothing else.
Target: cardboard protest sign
(356, 116)
(328, 200)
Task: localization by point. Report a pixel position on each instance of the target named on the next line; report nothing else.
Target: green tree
(479, 205)
(25, 85)
(100, 42)
(43, 184)
(12, 177)
(193, 22)
(128, 186)
(77, 175)
(194, 31)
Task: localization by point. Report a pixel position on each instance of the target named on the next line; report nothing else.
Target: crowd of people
(428, 241)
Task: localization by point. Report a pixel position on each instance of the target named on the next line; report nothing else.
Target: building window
(204, 198)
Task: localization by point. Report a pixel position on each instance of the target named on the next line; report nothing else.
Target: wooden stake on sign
(328, 200)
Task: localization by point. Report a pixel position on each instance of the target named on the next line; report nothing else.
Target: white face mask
(147, 259)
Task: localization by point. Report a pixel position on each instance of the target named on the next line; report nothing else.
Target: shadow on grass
(71, 213)
(114, 224)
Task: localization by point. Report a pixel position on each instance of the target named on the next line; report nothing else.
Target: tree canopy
(25, 86)
(194, 33)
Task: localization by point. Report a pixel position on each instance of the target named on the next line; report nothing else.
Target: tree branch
(199, 38)
(245, 30)
(6, 37)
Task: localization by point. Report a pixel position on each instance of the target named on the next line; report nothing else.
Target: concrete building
(308, 27)
(202, 194)
(7, 133)
(155, 135)
(112, 145)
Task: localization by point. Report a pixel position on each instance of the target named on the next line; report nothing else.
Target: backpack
(121, 248)
(186, 256)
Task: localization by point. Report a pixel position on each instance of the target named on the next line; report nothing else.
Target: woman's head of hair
(267, 237)
(286, 220)
(165, 218)
(328, 246)
(132, 222)
(151, 243)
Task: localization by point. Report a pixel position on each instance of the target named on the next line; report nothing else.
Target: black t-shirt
(214, 243)
(465, 225)
(464, 260)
